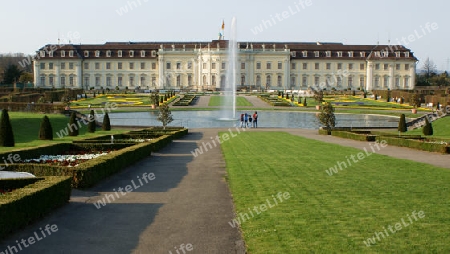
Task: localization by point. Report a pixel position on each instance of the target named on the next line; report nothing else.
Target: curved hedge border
(33, 201)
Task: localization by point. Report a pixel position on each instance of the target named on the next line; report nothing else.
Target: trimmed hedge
(415, 144)
(91, 172)
(33, 201)
(16, 183)
(361, 136)
(187, 100)
(324, 132)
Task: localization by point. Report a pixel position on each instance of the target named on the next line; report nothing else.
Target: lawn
(333, 214)
(26, 130)
(219, 101)
(441, 129)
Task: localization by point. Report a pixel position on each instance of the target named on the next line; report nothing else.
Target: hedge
(361, 136)
(415, 144)
(324, 132)
(33, 201)
(91, 172)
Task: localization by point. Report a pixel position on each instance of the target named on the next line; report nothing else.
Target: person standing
(242, 121)
(246, 120)
(255, 120)
(250, 120)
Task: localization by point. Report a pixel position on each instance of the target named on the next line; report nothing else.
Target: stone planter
(318, 107)
(414, 111)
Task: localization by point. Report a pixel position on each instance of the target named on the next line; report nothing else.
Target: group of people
(249, 120)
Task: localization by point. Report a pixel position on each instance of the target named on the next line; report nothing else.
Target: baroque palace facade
(203, 66)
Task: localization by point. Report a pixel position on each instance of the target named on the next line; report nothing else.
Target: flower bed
(67, 160)
(187, 100)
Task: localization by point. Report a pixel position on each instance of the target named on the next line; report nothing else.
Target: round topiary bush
(6, 132)
(46, 130)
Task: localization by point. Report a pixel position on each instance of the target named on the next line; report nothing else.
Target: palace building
(203, 66)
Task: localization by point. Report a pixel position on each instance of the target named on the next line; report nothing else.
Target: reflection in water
(272, 119)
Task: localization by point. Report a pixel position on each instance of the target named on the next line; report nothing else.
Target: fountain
(228, 111)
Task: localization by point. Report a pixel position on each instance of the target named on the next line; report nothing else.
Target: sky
(422, 26)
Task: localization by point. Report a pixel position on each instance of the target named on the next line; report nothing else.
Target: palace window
(350, 54)
(131, 53)
(108, 53)
(63, 53)
(328, 53)
(119, 53)
(305, 53)
(339, 53)
(97, 53)
(142, 53)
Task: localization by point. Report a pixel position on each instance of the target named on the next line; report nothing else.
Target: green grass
(26, 130)
(219, 101)
(333, 214)
(441, 129)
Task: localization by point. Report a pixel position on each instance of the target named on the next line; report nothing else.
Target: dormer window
(131, 53)
(377, 54)
(50, 54)
(385, 53)
(339, 53)
(397, 54)
(406, 54)
(305, 53)
(108, 53)
(86, 53)
(153, 53)
(328, 53)
(362, 54)
(42, 53)
(97, 53)
(119, 53)
(63, 53)
(71, 53)
(316, 53)
(350, 54)
(142, 53)
(293, 53)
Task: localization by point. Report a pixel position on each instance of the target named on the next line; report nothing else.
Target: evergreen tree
(304, 102)
(106, 126)
(46, 130)
(428, 128)
(402, 123)
(6, 132)
(92, 124)
(73, 125)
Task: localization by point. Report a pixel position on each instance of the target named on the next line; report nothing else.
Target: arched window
(258, 80)
(213, 80)
(242, 80)
(279, 80)
(268, 80)
(178, 80)
(204, 80)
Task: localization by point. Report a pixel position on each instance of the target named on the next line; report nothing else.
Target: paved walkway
(188, 202)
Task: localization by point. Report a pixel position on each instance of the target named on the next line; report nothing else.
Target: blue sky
(29, 24)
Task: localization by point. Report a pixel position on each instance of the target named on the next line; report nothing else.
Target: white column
(79, 76)
(412, 74)
(369, 76)
(200, 70)
(36, 74)
(57, 75)
(391, 77)
(161, 79)
(251, 71)
(287, 74)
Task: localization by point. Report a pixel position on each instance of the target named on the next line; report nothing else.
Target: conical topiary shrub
(46, 130)
(6, 132)
(92, 125)
(402, 123)
(106, 126)
(428, 128)
(73, 125)
(304, 102)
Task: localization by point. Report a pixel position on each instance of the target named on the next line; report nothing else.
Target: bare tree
(429, 68)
